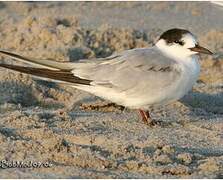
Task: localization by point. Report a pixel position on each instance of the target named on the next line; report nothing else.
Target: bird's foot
(146, 118)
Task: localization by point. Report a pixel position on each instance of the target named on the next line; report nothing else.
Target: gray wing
(143, 67)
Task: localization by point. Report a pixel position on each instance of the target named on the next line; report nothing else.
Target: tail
(53, 70)
(55, 75)
(49, 64)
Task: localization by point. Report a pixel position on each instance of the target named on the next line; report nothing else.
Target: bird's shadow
(211, 103)
(14, 92)
(17, 93)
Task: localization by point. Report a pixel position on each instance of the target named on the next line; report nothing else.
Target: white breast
(190, 72)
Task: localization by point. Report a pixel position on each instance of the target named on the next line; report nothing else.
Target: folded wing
(138, 68)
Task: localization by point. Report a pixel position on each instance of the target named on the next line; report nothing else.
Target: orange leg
(146, 118)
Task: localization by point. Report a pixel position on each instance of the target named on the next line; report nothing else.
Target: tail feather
(48, 64)
(57, 75)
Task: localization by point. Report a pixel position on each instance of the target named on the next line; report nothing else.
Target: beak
(201, 49)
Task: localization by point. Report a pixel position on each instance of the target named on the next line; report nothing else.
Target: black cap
(173, 35)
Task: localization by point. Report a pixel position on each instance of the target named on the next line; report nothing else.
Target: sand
(77, 135)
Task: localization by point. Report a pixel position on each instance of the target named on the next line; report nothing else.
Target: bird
(139, 79)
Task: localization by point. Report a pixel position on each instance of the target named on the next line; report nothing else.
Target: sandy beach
(78, 135)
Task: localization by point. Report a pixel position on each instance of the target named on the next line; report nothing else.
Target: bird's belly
(168, 95)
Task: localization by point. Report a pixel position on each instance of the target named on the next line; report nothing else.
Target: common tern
(138, 78)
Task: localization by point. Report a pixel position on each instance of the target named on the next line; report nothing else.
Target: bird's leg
(146, 118)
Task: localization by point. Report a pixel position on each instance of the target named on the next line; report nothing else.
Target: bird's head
(180, 43)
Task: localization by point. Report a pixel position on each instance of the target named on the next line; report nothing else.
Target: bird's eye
(179, 42)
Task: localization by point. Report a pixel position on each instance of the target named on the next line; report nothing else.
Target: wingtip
(5, 52)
